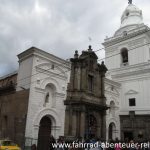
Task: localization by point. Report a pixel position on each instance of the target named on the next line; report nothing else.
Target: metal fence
(29, 142)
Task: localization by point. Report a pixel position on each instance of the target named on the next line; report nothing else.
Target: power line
(120, 53)
(70, 69)
(43, 78)
(119, 37)
(99, 49)
(98, 60)
(48, 69)
(43, 71)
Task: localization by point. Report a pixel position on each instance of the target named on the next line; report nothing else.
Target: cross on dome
(129, 1)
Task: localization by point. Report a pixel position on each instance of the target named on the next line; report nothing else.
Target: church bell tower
(128, 60)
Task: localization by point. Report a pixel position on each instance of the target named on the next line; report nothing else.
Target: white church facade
(46, 76)
(128, 61)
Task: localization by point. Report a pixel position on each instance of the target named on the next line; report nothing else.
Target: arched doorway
(112, 131)
(44, 134)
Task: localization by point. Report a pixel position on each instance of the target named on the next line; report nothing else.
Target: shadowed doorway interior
(44, 134)
(112, 131)
(128, 135)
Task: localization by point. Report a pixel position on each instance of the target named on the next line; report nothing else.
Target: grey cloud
(57, 26)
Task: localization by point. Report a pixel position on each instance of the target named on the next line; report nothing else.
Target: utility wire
(69, 69)
(68, 62)
(120, 52)
(119, 36)
(43, 78)
(50, 68)
(106, 57)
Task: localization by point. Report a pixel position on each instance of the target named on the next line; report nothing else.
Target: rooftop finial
(90, 48)
(76, 54)
(129, 1)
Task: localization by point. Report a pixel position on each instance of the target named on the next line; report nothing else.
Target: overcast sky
(58, 26)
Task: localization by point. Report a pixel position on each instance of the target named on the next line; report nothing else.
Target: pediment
(131, 92)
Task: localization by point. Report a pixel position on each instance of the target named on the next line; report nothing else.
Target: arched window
(124, 55)
(112, 131)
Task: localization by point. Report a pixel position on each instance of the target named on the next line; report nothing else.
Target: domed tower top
(131, 15)
(131, 18)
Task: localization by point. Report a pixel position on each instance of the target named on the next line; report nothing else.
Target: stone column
(103, 129)
(70, 121)
(99, 125)
(74, 123)
(82, 124)
(102, 85)
(78, 123)
(67, 121)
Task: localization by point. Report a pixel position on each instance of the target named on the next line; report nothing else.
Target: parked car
(8, 145)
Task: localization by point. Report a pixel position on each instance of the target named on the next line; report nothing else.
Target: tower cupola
(131, 19)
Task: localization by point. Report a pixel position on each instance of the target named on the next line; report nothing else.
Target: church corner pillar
(67, 121)
(103, 123)
(82, 123)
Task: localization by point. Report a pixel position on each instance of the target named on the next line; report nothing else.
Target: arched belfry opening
(44, 133)
(124, 55)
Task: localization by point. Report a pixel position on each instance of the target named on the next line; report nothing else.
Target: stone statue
(129, 1)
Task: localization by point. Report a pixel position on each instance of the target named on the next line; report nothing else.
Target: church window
(132, 102)
(124, 55)
(90, 82)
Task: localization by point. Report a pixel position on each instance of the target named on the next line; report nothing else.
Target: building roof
(36, 51)
(8, 75)
(8, 83)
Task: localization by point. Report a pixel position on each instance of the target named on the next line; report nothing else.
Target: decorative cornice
(113, 40)
(139, 69)
(40, 90)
